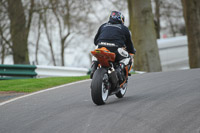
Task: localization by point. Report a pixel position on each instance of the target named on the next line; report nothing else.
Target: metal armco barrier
(32, 71)
(58, 71)
(17, 71)
(173, 53)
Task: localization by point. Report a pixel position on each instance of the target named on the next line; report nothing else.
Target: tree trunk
(191, 9)
(157, 14)
(2, 52)
(144, 36)
(63, 39)
(44, 19)
(19, 32)
(38, 39)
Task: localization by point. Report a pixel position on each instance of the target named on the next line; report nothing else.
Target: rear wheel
(99, 86)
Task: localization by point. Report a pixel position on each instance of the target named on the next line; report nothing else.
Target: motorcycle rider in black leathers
(115, 36)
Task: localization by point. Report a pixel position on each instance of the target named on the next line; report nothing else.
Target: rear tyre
(122, 91)
(99, 89)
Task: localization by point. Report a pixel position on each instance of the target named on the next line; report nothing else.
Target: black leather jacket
(115, 32)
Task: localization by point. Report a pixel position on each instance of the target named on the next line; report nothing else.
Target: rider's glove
(131, 55)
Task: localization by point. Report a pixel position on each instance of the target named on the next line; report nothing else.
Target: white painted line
(38, 92)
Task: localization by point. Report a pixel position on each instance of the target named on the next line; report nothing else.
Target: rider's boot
(120, 73)
(118, 87)
(93, 68)
(122, 66)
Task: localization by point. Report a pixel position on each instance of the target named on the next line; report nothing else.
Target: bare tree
(62, 16)
(144, 36)
(57, 22)
(69, 18)
(5, 41)
(168, 17)
(19, 29)
(157, 14)
(171, 15)
(191, 9)
(38, 38)
(2, 52)
(47, 31)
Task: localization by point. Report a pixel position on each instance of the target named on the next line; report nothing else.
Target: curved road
(167, 102)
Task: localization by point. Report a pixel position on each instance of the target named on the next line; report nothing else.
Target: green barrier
(17, 71)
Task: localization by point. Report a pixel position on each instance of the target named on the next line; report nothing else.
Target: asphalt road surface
(167, 102)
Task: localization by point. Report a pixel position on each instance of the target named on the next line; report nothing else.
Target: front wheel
(99, 86)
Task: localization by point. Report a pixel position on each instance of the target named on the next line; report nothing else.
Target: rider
(116, 37)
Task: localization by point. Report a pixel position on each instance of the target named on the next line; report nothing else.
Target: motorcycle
(105, 81)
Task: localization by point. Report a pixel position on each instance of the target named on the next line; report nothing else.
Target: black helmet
(117, 16)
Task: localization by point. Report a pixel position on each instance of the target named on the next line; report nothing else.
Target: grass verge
(32, 85)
